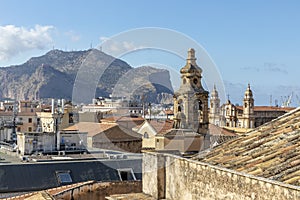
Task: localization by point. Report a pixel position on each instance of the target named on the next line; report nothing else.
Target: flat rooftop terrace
(7, 157)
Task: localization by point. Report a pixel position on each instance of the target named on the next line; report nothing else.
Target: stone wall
(188, 179)
(99, 190)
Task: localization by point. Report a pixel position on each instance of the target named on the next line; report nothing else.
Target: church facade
(245, 116)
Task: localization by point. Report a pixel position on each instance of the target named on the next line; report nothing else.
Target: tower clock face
(195, 81)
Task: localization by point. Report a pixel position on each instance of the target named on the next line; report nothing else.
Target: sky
(254, 42)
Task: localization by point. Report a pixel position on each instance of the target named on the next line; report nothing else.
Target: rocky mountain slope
(53, 75)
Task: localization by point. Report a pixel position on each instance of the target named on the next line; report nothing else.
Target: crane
(286, 101)
(289, 100)
(298, 100)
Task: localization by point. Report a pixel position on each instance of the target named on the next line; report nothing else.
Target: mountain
(55, 74)
(146, 82)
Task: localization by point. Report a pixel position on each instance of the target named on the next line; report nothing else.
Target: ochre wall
(188, 179)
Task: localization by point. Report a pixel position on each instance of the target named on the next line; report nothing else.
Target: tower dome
(214, 93)
(248, 92)
(191, 65)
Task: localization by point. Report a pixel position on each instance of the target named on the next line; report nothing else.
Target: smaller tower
(248, 108)
(229, 114)
(214, 111)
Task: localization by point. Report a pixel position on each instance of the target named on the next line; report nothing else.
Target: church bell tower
(248, 108)
(214, 111)
(191, 100)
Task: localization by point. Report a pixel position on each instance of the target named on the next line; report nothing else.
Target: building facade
(114, 106)
(247, 116)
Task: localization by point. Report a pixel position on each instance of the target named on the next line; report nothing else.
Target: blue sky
(250, 41)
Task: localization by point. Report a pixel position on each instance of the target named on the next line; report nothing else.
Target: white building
(32, 142)
(116, 106)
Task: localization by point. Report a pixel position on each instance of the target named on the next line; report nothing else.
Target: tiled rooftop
(216, 130)
(271, 151)
(160, 126)
(269, 108)
(91, 127)
(106, 131)
(125, 121)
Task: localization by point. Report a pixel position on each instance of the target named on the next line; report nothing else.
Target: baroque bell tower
(214, 111)
(248, 108)
(191, 100)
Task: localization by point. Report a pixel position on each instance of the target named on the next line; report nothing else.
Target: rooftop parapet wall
(188, 179)
(99, 190)
(85, 191)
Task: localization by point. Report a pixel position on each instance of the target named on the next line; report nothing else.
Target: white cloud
(274, 67)
(103, 39)
(73, 36)
(268, 67)
(116, 47)
(15, 40)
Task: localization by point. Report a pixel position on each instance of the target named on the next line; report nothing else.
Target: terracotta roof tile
(271, 151)
(272, 108)
(91, 127)
(125, 121)
(216, 130)
(161, 126)
(105, 131)
(269, 108)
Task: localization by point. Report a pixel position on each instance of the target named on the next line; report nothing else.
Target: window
(29, 120)
(179, 109)
(63, 177)
(146, 135)
(195, 81)
(19, 129)
(71, 118)
(200, 105)
(29, 129)
(126, 174)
